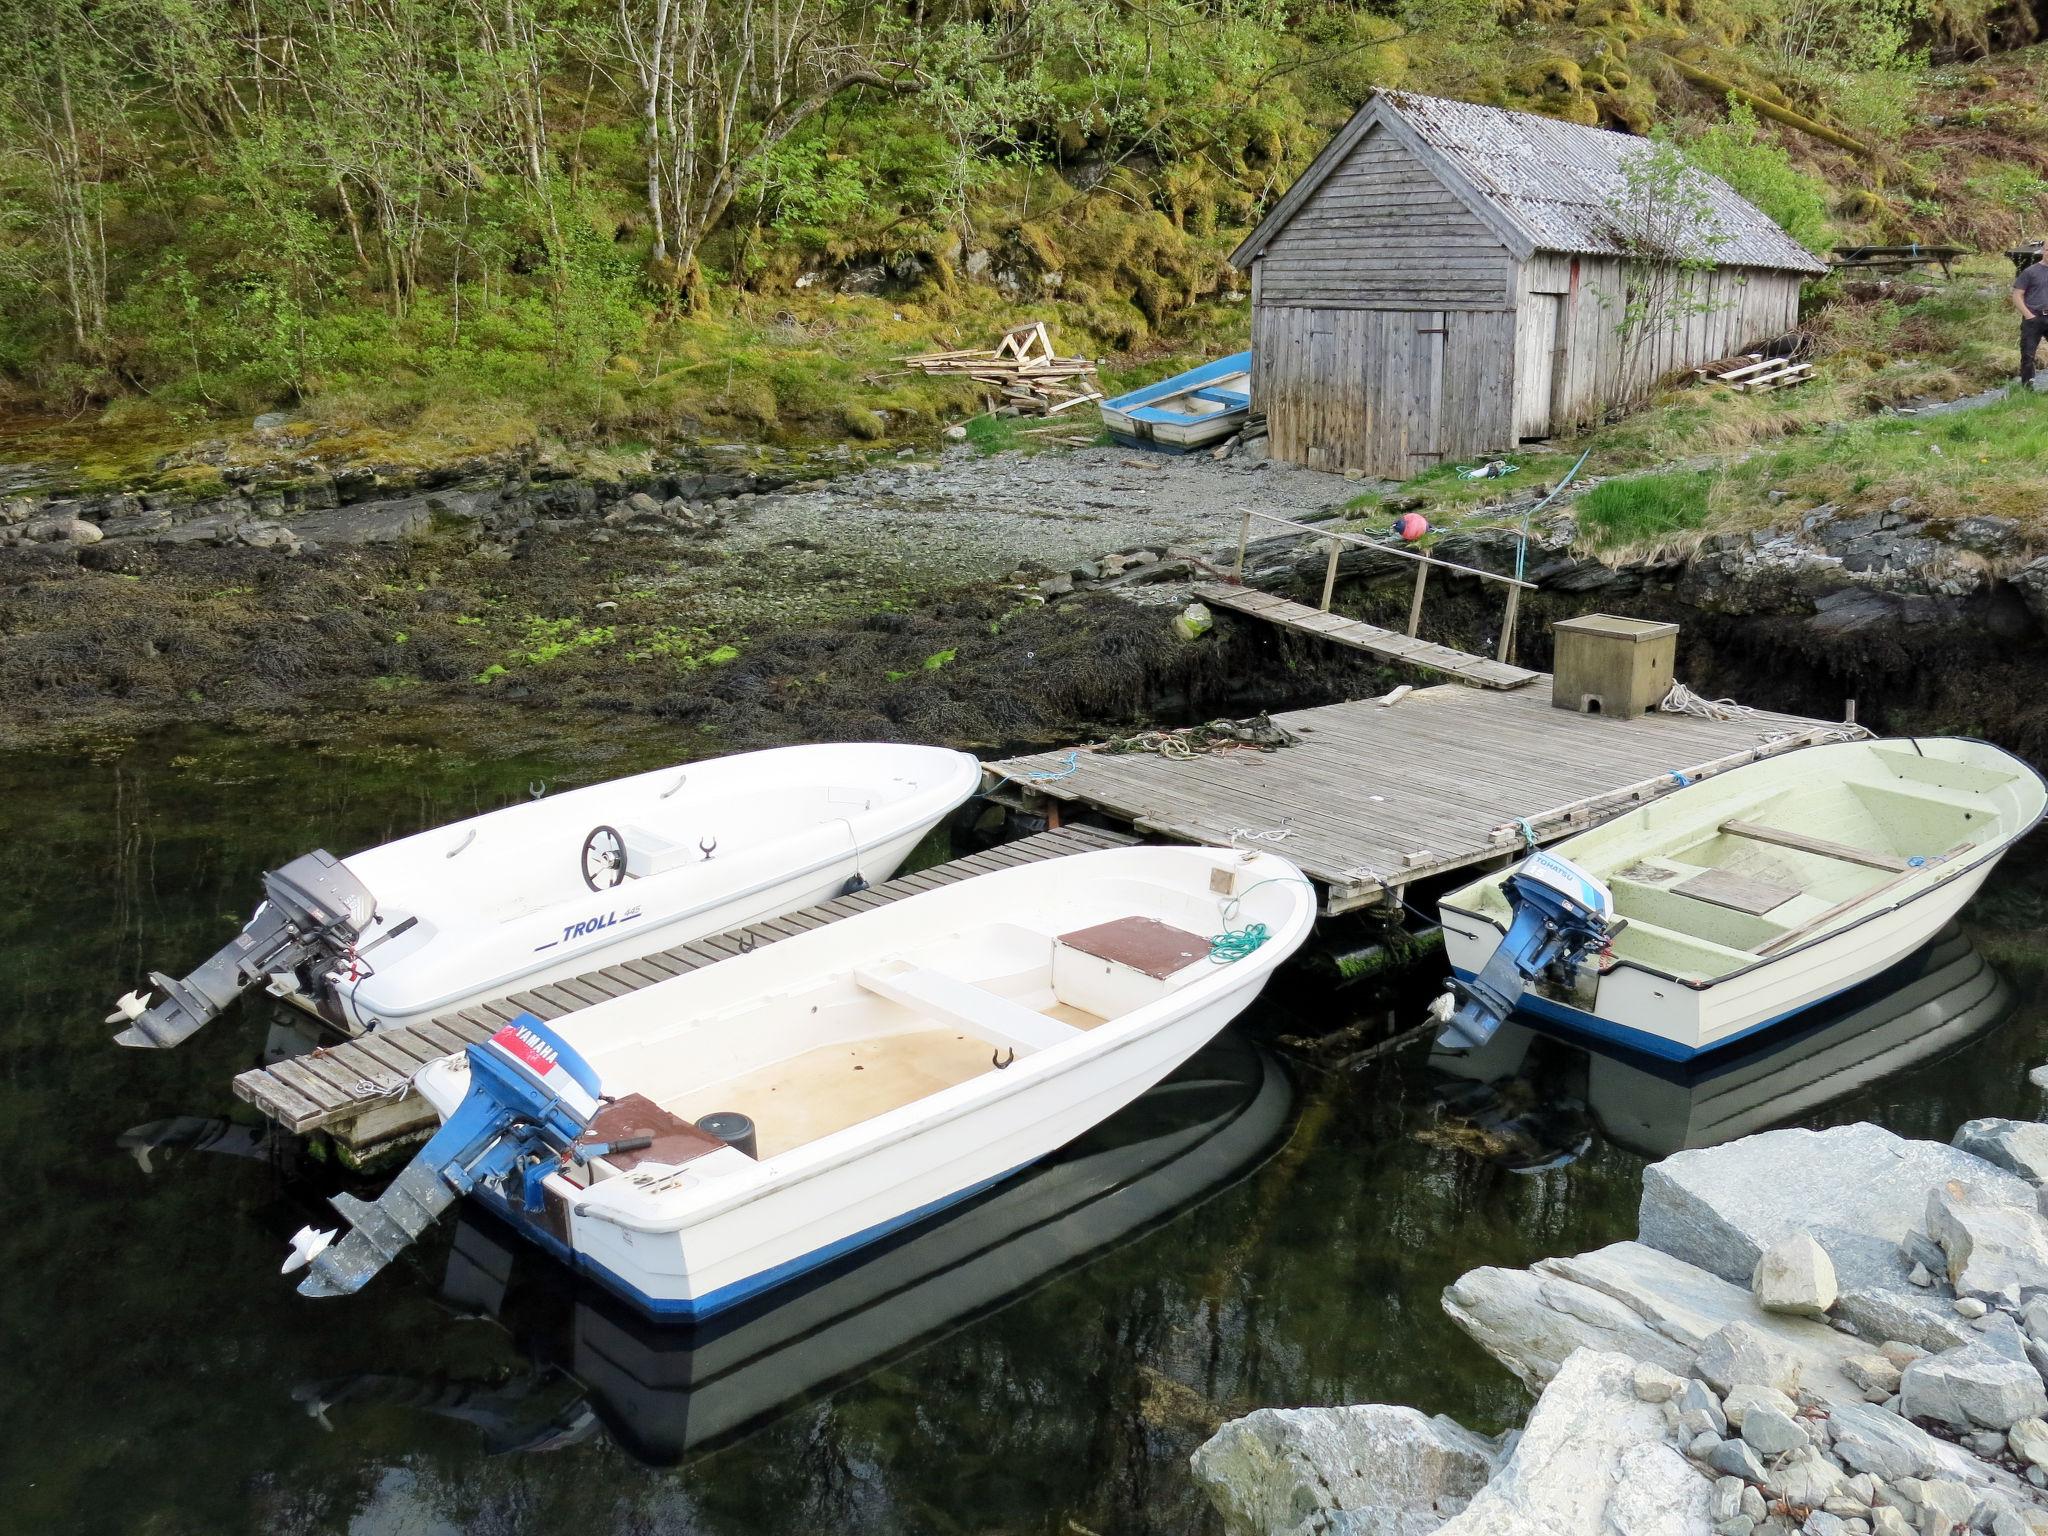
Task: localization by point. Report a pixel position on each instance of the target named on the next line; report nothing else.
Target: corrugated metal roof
(1565, 185)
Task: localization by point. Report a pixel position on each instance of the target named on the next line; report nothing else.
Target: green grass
(1645, 508)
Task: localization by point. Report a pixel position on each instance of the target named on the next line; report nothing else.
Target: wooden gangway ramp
(1361, 636)
(1377, 794)
(360, 1091)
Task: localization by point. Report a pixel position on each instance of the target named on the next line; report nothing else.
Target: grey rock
(956, 433)
(1745, 1395)
(1288, 1470)
(1727, 1498)
(1056, 586)
(1772, 1433)
(1753, 1503)
(1970, 1307)
(1885, 1521)
(1945, 1506)
(1971, 1387)
(2029, 1441)
(1874, 1373)
(270, 421)
(1703, 1445)
(61, 530)
(1737, 1458)
(1720, 1207)
(1653, 1384)
(1920, 1276)
(1795, 1274)
(1821, 1523)
(1741, 1353)
(1987, 1443)
(1805, 1477)
(1870, 1440)
(2017, 1146)
(1699, 1409)
(1996, 1245)
(1592, 1459)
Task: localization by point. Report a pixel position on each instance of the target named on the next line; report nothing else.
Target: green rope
(1235, 943)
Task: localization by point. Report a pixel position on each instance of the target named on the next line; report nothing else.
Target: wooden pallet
(1378, 794)
(1360, 636)
(361, 1090)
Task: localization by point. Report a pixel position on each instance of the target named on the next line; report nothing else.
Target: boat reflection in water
(1531, 1101)
(664, 1392)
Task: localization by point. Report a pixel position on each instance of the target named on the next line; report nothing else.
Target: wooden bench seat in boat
(974, 1010)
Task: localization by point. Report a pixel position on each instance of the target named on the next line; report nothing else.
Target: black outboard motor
(314, 912)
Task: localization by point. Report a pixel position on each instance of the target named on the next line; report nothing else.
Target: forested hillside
(653, 217)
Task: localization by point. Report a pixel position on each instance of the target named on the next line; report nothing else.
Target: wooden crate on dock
(1609, 665)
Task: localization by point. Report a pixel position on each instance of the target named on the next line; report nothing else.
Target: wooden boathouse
(1448, 280)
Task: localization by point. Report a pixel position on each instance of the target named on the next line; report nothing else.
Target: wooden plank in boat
(1757, 832)
(1740, 893)
(586, 989)
(558, 1002)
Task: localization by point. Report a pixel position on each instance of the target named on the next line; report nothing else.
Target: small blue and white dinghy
(1190, 410)
(705, 1139)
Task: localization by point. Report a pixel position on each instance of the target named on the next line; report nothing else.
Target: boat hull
(1656, 1015)
(1191, 410)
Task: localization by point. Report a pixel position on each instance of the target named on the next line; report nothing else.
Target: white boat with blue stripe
(1733, 905)
(701, 1141)
(1194, 409)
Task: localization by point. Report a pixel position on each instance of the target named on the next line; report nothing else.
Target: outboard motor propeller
(530, 1098)
(1562, 915)
(313, 913)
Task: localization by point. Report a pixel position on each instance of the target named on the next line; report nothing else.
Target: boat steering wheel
(604, 853)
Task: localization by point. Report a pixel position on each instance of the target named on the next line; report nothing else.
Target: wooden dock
(360, 1091)
(1361, 636)
(1378, 794)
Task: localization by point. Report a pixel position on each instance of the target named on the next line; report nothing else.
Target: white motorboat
(551, 888)
(1533, 1099)
(1737, 903)
(666, 1393)
(707, 1138)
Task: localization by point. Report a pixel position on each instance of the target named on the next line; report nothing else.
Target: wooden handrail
(1365, 543)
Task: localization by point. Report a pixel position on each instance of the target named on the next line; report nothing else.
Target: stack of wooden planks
(1022, 368)
(1895, 258)
(1754, 374)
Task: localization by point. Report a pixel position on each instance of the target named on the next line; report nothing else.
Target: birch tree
(719, 84)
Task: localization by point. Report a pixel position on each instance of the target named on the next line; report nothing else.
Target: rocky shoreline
(1834, 1333)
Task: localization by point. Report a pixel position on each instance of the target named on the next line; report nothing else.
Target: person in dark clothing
(2030, 298)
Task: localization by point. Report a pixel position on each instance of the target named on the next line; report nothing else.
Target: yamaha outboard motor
(1562, 916)
(530, 1098)
(314, 912)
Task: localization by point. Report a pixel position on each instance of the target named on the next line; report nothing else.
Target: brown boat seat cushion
(676, 1141)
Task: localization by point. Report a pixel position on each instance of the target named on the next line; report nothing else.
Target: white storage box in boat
(500, 904)
(892, 1062)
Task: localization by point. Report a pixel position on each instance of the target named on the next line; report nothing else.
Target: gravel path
(981, 517)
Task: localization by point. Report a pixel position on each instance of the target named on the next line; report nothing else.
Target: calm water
(1264, 1230)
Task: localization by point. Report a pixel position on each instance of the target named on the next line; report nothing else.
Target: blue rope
(1073, 767)
(1235, 943)
(1528, 832)
(1683, 781)
(1522, 547)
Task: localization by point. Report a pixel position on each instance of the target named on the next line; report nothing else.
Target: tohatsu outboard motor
(313, 914)
(1562, 917)
(530, 1097)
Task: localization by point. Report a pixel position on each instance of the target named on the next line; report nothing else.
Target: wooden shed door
(1426, 391)
(1539, 364)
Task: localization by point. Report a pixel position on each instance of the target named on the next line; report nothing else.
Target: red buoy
(1411, 526)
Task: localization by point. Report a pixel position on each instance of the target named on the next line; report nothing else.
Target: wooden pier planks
(1362, 636)
(345, 1082)
(1375, 796)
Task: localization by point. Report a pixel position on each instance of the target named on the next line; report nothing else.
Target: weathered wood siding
(1384, 233)
(1573, 374)
(1388, 392)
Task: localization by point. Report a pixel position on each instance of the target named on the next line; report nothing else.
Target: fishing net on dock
(1257, 733)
